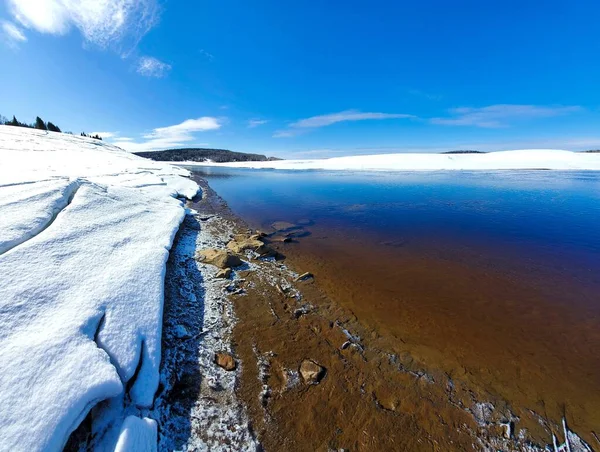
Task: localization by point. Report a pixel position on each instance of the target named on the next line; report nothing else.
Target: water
(559, 211)
(496, 274)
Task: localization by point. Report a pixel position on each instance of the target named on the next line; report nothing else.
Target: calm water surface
(494, 275)
(557, 213)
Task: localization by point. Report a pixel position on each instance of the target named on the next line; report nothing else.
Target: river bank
(373, 393)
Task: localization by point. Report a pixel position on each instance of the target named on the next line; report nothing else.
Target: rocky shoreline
(256, 356)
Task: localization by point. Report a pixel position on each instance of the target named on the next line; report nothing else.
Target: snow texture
(85, 233)
(530, 159)
(137, 435)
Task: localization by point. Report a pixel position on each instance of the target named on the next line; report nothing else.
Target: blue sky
(307, 79)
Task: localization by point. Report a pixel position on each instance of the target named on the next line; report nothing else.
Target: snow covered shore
(85, 232)
(528, 159)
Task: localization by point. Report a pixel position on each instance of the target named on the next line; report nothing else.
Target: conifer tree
(40, 124)
(52, 127)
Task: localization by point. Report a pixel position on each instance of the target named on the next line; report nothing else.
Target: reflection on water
(494, 275)
(548, 209)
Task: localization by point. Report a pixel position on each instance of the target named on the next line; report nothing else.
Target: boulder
(311, 372)
(225, 361)
(218, 258)
(224, 273)
(240, 244)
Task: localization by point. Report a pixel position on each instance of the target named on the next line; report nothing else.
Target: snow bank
(505, 160)
(85, 232)
(43, 200)
(137, 435)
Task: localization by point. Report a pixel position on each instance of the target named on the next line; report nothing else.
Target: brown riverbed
(443, 333)
(524, 332)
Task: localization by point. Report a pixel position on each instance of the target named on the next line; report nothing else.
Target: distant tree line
(40, 124)
(202, 155)
(97, 137)
(464, 151)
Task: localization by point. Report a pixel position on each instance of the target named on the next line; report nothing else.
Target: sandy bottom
(519, 332)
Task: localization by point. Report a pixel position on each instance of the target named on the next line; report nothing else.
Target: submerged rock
(311, 372)
(284, 239)
(304, 276)
(225, 361)
(283, 226)
(218, 258)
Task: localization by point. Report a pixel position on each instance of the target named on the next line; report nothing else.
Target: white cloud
(152, 67)
(348, 115)
(256, 122)
(106, 135)
(500, 115)
(171, 136)
(102, 22)
(326, 120)
(12, 34)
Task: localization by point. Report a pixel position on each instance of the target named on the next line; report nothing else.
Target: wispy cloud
(348, 115)
(326, 120)
(285, 134)
(12, 34)
(172, 136)
(209, 56)
(501, 115)
(152, 67)
(101, 22)
(256, 122)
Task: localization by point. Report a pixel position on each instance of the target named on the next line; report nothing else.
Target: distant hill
(592, 151)
(202, 155)
(466, 151)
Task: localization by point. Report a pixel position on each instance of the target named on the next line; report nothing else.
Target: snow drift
(85, 233)
(529, 159)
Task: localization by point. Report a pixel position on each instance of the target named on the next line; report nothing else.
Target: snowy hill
(504, 160)
(85, 230)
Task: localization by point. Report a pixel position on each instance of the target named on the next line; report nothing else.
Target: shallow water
(492, 275)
